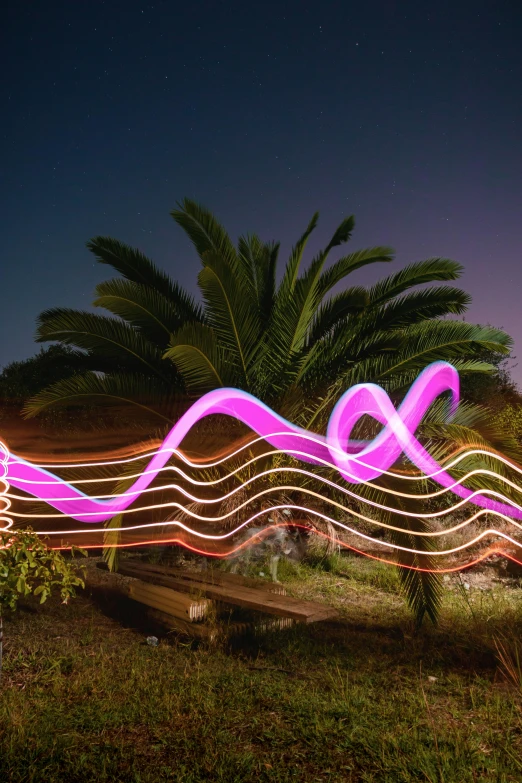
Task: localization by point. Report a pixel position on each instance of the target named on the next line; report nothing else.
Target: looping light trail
(365, 399)
(358, 462)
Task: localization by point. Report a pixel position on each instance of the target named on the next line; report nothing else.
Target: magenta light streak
(380, 454)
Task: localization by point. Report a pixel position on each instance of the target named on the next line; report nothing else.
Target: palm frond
(421, 585)
(111, 541)
(107, 337)
(250, 247)
(366, 371)
(143, 307)
(306, 298)
(135, 266)
(205, 232)
(201, 359)
(261, 259)
(402, 380)
(343, 352)
(443, 341)
(294, 262)
(141, 391)
(336, 309)
(342, 233)
(350, 263)
(307, 292)
(293, 314)
(112, 536)
(419, 306)
(471, 425)
(266, 265)
(429, 271)
(231, 313)
(420, 582)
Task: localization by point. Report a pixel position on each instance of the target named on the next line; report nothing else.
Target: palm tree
(285, 342)
(297, 344)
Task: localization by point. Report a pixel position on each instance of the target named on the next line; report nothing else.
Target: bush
(28, 566)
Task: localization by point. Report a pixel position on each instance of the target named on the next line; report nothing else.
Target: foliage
(28, 566)
(510, 417)
(123, 361)
(495, 389)
(297, 345)
(20, 380)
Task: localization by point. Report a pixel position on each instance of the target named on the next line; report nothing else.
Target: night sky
(406, 114)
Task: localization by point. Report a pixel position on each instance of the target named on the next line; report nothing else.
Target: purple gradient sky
(407, 114)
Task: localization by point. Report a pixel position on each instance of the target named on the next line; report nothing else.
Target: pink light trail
(356, 461)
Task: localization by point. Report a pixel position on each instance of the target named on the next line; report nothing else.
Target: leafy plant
(28, 566)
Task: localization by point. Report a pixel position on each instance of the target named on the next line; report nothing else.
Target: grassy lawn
(84, 698)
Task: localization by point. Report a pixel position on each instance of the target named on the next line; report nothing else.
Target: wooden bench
(233, 589)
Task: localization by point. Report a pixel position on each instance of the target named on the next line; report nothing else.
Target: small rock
(432, 679)
(152, 641)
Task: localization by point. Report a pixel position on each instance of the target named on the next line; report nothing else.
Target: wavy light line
(233, 531)
(304, 490)
(203, 465)
(377, 457)
(5, 502)
(379, 454)
(291, 452)
(299, 471)
(266, 531)
(305, 510)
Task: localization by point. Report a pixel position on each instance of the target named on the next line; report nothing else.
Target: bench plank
(238, 595)
(214, 577)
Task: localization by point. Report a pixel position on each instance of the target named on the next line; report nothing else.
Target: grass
(84, 698)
